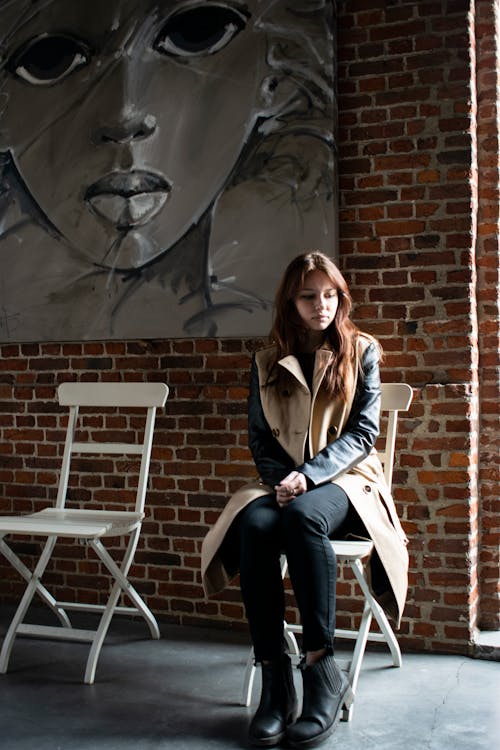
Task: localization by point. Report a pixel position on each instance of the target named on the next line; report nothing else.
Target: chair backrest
(396, 397)
(149, 396)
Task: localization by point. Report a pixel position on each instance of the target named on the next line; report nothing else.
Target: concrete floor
(183, 693)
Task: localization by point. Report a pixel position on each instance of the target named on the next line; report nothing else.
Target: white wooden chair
(396, 397)
(85, 525)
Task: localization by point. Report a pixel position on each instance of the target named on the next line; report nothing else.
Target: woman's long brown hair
(288, 332)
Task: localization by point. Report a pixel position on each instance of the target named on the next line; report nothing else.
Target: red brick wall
(418, 227)
(419, 244)
(488, 275)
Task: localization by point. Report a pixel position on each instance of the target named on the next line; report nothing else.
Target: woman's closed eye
(48, 59)
(200, 30)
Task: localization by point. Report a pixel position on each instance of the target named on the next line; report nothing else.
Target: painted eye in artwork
(48, 59)
(200, 30)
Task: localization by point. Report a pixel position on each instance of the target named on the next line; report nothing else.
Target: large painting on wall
(160, 162)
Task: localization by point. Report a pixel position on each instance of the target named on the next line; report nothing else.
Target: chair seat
(117, 522)
(71, 523)
(352, 549)
(48, 527)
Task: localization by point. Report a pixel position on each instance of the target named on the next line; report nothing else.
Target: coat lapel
(302, 414)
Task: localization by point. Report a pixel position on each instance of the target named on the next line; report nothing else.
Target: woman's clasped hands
(292, 485)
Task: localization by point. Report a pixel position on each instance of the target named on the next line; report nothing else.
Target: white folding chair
(89, 526)
(396, 397)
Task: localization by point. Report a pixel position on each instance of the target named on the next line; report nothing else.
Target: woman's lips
(128, 199)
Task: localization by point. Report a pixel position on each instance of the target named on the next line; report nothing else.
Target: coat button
(332, 430)
(275, 432)
(367, 488)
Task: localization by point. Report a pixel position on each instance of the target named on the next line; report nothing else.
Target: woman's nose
(123, 115)
(127, 130)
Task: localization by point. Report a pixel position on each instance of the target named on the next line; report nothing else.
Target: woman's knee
(299, 516)
(322, 510)
(259, 522)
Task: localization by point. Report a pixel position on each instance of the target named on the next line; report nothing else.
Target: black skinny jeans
(262, 531)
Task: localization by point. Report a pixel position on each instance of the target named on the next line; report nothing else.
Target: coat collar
(321, 362)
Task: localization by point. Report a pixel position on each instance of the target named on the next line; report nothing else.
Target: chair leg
(250, 669)
(378, 613)
(291, 641)
(41, 591)
(371, 610)
(293, 649)
(357, 657)
(121, 584)
(30, 591)
(388, 632)
(120, 575)
(100, 635)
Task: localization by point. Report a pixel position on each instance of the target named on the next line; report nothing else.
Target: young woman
(314, 409)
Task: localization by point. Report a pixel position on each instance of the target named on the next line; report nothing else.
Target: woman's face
(125, 118)
(317, 301)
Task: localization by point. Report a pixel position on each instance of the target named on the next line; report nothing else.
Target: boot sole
(319, 738)
(277, 738)
(267, 741)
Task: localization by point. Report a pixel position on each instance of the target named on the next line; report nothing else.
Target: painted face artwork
(119, 112)
(124, 123)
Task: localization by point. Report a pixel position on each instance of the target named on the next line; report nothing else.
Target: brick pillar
(487, 254)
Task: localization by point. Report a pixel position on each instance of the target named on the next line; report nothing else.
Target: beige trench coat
(321, 419)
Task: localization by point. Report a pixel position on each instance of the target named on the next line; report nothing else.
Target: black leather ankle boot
(278, 705)
(326, 690)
